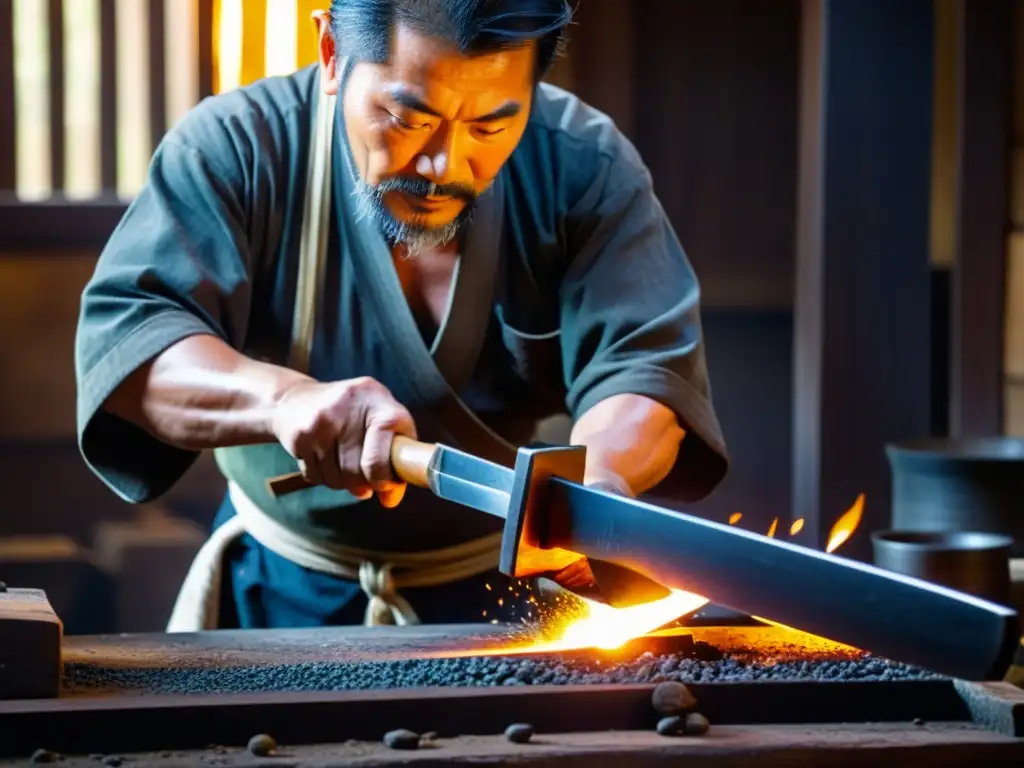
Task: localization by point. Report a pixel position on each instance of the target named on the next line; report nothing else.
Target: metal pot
(968, 561)
(959, 485)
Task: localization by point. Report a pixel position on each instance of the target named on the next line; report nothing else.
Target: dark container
(959, 485)
(968, 561)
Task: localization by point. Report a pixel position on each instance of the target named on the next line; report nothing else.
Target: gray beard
(414, 238)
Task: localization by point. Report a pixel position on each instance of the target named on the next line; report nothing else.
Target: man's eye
(489, 131)
(396, 120)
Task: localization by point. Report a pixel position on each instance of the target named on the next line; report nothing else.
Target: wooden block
(30, 645)
(76, 588)
(147, 560)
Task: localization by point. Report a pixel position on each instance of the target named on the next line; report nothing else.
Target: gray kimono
(571, 287)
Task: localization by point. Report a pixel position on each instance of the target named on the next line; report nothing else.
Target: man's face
(431, 129)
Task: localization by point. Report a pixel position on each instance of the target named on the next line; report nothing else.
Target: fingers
(341, 435)
(383, 423)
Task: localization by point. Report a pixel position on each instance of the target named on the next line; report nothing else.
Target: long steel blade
(483, 485)
(893, 616)
(473, 482)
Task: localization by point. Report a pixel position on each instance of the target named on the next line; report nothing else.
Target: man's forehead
(419, 61)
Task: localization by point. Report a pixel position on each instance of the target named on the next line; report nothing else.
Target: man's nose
(442, 159)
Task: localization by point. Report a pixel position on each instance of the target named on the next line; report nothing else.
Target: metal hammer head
(531, 520)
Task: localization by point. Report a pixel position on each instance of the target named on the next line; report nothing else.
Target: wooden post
(7, 144)
(861, 323)
(984, 66)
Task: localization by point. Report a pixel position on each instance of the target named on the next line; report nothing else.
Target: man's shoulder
(271, 112)
(576, 129)
(570, 146)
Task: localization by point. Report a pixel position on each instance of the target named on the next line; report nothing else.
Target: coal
(696, 724)
(673, 725)
(519, 733)
(261, 745)
(672, 698)
(584, 668)
(113, 761)
(45, 756)
(401, 738)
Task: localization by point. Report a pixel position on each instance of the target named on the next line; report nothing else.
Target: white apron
(380, 574)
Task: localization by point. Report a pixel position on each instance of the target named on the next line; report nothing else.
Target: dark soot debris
(673, 725)
(556, 669)
(519, 733)
(402, 738)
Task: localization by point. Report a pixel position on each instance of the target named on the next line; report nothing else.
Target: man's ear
(329, 75)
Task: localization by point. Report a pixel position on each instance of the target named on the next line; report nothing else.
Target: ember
(599, 626)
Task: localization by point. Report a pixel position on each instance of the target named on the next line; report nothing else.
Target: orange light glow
(606, 628)
(845, 525)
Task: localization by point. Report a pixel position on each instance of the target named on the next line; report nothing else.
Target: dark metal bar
(137, 723)
(157, 73)
(7, 146)
(55, 28)
(108, 95)
(206, 58)
(984, 114)
(861, 323)
(885, 613)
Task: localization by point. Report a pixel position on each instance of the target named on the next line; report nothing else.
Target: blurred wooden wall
(706, 89)
(1014, 359)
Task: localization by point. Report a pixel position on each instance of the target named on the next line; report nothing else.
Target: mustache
(423, 188)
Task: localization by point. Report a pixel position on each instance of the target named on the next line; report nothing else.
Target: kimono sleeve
(630, 318)
(176, 266)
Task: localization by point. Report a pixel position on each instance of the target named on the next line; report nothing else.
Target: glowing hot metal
(547, 509)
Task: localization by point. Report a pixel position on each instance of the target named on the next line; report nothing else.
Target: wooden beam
(207, 61)
(157, 72)
(55, 30)
(29, 227)
(984, 114)
(7, 146)
(108, 96)
(861, 324)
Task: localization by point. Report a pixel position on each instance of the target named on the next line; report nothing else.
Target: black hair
(362, 28)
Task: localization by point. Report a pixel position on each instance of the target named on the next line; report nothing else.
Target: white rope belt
(380, 574)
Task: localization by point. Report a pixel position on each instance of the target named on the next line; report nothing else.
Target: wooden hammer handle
(409, 462)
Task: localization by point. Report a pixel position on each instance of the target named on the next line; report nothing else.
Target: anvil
(549, 512)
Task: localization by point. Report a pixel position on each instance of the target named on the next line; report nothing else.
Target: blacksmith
(414, 236)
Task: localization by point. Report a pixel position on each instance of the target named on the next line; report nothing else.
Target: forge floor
(898, 745)
(356, 658)
(773, 696)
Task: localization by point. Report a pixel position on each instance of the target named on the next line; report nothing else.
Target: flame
(845, 525)
(604, 627)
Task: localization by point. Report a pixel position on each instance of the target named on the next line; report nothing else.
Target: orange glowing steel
(845, 525)
(608, 628)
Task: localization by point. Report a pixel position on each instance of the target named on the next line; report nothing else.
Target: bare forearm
(630, 437)
(200, 393)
